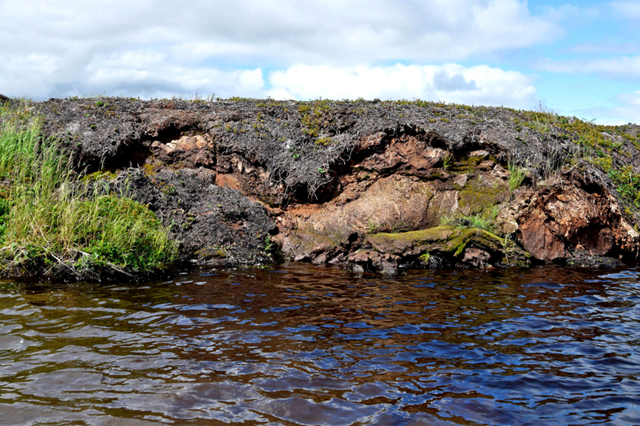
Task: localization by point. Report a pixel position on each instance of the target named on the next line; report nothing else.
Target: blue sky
(577, 58)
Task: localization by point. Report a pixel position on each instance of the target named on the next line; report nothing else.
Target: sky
(578, 58)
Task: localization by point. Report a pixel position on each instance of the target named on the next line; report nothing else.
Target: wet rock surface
(369, 186)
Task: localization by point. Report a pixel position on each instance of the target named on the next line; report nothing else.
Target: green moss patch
(477, 196)
(447, 242)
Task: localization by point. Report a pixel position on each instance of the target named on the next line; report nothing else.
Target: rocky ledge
(368, 186)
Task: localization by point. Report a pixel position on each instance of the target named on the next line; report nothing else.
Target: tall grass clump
(517, 176)
(50, 219)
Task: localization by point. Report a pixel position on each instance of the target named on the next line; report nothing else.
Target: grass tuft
(516, 176)
(50, 216)
(485, 220)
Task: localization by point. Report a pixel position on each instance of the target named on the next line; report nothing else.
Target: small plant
(430, 261)
(447, 161)
(324, 141)
(314, 116)
(484, 220)
(516, 176)
(268, 244)
(477, 221)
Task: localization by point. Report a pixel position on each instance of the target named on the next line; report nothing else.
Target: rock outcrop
(369, 186)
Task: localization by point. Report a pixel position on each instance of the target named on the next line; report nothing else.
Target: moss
(448, 243)
(476, 196)
(306, 241)
(439, 233)
(404, 242)
(100, 175)
(209, 252)
(324, 141)
(473, 162)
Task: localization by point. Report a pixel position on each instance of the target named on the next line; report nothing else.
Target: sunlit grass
(49, 217)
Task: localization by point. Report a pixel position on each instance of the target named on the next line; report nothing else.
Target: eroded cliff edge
(369, 186)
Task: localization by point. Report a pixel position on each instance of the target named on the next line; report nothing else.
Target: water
(314, 346)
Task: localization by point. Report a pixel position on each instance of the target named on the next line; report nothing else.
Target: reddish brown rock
(568, 215)
(409, 155)
(373, 261)
(476, 257)
(189, 151)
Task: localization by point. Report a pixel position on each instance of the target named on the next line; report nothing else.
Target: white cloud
(163, 46)
(451, 83)
(621, 66)
(148, 74)
(627, 9)
(607, 48)
(626, 111)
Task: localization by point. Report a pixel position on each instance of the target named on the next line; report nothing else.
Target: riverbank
(367, 186)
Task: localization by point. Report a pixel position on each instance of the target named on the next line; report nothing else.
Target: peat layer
(369, 186)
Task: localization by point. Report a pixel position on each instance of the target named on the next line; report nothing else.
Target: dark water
(313, 346)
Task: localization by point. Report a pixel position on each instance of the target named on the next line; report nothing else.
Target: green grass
(447, 161)
(516, 176)
(484, 220)
(49, 216)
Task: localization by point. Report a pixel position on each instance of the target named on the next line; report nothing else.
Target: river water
(315, 346)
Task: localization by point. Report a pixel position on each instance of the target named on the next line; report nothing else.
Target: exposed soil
(369, 186)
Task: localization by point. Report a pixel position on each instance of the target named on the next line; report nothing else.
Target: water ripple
(317, 346)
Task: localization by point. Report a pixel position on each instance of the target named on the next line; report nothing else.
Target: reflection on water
(314, 346)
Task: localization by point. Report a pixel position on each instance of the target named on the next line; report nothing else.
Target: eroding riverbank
(368, 186)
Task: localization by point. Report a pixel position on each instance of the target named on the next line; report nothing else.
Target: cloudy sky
(578, 58)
